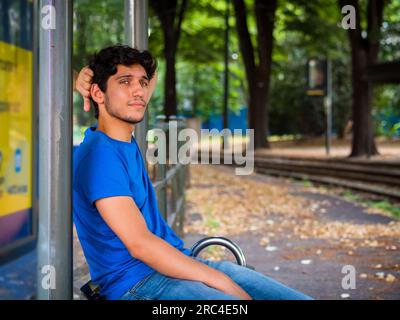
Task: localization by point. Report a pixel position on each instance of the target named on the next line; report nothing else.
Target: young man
(131, 251)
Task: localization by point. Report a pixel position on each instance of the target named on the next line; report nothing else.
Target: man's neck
(116, 129)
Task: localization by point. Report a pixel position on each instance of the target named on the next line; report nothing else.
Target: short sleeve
(102, 174)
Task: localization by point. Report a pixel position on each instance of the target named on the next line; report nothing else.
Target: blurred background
(192, 52)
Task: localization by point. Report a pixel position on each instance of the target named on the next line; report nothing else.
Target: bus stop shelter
(53, 96)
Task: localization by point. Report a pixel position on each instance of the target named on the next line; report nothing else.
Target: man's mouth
(137, 104)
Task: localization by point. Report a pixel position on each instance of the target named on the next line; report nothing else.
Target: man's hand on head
(84, 83)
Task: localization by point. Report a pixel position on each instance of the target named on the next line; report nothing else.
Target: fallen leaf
(390, 278)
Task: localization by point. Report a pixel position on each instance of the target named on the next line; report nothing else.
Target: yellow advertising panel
(16, 216)
(16, 128)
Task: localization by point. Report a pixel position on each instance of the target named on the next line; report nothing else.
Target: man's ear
(152, 86)
(97, 94)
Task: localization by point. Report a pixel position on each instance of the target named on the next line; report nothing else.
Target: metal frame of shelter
(53, 71)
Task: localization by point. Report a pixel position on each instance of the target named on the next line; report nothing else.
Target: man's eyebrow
(124, 76)
(130, 76)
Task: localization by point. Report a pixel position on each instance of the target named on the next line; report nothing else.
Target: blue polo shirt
(104, 167)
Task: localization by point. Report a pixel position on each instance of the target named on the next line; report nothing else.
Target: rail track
(372, 176)
(377, 177)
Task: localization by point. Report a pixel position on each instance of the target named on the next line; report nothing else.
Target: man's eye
(145, 83)
(124, 82)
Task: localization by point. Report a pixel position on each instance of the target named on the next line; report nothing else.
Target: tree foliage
(302, 29)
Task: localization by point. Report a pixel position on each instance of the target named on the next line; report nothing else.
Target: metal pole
(328, 108)
(225, 142)
(161, 172)
(369, 121)
(136, 36)
(55, 146)
(35, 114)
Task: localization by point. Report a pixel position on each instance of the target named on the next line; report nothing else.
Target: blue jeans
(157, 286)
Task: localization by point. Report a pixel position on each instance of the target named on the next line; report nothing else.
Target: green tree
(170, 13)
(365, 46)
(200, 62)
(257, 63)
(305, 29)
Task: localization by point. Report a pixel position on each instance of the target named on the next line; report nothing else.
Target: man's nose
(137, 89)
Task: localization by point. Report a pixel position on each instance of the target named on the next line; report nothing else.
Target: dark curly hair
(104, 65)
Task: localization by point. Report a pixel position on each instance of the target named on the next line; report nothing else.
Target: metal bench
(92, 291)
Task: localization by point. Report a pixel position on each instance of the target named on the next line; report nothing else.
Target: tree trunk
(170, 104)
(363, 142)
(364, 53)
(170, 14)
(195, 93)
(258, 111)
(258, 75)
(226, 69)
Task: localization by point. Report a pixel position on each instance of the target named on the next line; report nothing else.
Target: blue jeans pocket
(139, 284)
(133, 294)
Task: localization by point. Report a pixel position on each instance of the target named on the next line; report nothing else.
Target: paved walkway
(306, 251)
(18, 278)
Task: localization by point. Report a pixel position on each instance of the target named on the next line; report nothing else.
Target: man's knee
(229, 267)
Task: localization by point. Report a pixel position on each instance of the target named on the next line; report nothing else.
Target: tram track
(376, 177)
(372, 176)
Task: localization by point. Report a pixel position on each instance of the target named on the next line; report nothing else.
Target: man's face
(127, 93)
